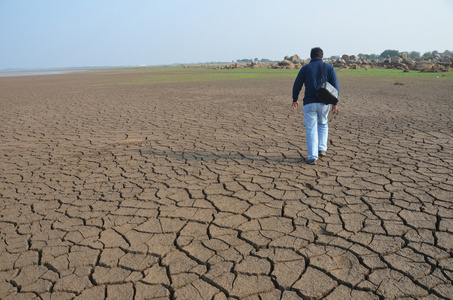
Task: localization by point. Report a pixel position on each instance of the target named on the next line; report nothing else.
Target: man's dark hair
(316, 53)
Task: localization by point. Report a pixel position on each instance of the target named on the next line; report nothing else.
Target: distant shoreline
(15, 73)
(59, 71)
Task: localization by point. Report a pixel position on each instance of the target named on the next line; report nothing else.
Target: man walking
(315, 112)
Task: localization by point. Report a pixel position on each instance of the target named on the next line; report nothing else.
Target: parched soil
(199, 190)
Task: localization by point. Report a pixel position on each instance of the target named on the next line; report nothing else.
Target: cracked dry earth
(199, 191)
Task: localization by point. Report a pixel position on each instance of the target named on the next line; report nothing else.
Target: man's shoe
(322, 153)
(311, 161)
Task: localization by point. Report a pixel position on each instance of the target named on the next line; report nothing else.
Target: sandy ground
(200, 191)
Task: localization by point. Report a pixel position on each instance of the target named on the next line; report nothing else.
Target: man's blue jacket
(310, 75)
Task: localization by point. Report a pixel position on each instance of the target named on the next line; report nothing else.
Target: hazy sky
(74, 33)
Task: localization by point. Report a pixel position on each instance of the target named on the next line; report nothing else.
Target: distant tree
(334, 57)
(392, 53)
(413, 55)
(361, 55)
(427, 55)
(368, 56)
(244, 60)
(265, 60)
(448, 52)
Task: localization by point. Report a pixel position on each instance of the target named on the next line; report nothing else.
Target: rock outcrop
(440, 63)
(290, 62)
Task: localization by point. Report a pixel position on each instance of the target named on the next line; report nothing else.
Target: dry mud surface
(199, 190)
